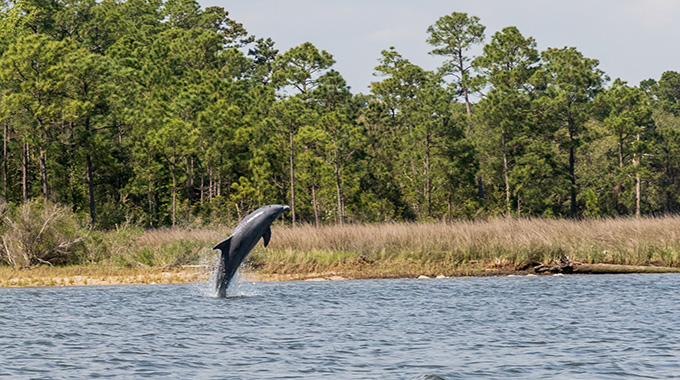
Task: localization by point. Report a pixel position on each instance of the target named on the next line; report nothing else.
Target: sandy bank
(196, 274)
(94, 276)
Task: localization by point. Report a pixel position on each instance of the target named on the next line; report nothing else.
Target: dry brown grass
(466, 247)
(500, 246)
(35, 233)
(162, 236)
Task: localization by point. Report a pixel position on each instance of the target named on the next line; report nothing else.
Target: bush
(113, 245)
(170, 254)
(37, 233)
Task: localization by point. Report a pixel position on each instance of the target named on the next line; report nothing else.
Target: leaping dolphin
(241, 242)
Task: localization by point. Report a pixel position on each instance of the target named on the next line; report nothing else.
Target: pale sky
(633, 39)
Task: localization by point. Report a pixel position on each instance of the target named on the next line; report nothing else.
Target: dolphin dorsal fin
(224, 245)
(267, 236)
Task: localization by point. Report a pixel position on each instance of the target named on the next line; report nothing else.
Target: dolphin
(241, 241)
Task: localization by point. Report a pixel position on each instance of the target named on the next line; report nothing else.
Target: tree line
(165, 113)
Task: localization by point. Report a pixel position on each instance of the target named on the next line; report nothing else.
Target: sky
(633, 39)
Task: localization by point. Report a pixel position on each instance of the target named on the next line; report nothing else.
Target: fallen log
(565, 265)
(616, 268)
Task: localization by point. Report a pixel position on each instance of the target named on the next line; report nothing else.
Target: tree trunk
(572, 177)
(90, 182)
(670, 179)
(428, 180)
(210, 185)
(480, 187)
(202, 187)
(638, 195)
(219, 184)
(572, 164)
(638, 185)
(90, 189)
(292, 178)
(519, 204)
(461, 69)
(338, 189)
(468, 110)
(174, 195)
(449, 207)
(43, 174)
(24, 172)
(150, 194)
(505, 173)
(467, 104)
(71, 171)
(4, 159)
(190, 180)
(314, 203)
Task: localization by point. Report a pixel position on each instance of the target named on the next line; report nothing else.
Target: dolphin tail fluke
(221, 279)
(224, 245)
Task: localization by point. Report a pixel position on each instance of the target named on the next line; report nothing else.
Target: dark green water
(572, 327)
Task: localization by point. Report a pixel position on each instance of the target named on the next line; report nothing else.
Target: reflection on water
(582, 327)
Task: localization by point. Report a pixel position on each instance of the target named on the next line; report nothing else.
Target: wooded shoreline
(179, 115)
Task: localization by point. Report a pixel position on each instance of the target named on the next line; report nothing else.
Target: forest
(167, 114)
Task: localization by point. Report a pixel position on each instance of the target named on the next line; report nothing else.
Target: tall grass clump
(130, 246)
(41, 233)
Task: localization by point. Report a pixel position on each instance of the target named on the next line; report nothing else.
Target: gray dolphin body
(241, 241)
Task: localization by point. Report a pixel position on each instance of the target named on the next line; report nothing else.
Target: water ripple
(580, 327)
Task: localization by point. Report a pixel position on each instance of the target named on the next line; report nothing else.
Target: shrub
(37, 233)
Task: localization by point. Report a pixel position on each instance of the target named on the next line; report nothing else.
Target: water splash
(209, 262)
(240, 285)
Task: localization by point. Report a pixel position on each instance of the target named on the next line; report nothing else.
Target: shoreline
(102, 276)
(496, 247)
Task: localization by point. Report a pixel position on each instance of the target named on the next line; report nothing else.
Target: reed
(411, 249)
(468, 247)
(490, 247)
(165, 247)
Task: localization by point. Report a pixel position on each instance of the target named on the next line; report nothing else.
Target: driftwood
(565, 265)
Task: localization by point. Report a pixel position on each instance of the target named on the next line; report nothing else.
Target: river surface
(569, 327)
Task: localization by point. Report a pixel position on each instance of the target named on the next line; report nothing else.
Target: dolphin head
(274, 211)
(265, 214)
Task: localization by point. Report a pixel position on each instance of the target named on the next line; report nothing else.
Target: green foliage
(572, 81)
(301, 66)
(181, 252)
(452, 36)
(152, 113)
(509, 60)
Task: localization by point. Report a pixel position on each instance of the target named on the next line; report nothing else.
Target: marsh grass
(406, 250)
(135, 248)
(500, 246)
(468, 248)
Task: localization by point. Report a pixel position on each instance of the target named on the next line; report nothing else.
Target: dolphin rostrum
(241, 242)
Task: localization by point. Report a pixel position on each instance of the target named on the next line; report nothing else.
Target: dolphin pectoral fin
(267, 236)
(224, 245)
